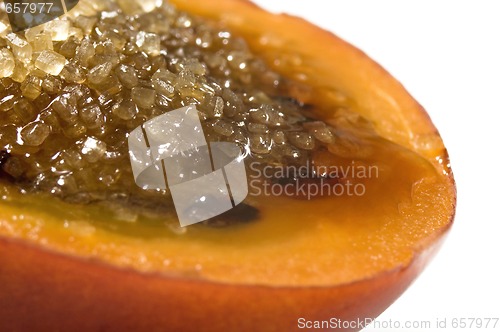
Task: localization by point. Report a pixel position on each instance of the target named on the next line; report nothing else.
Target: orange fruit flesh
(296, 242)
(323, 241)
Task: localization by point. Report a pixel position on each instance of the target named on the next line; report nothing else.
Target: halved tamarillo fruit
(350, 187)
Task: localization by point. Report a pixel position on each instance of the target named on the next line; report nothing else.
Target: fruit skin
(45, 291)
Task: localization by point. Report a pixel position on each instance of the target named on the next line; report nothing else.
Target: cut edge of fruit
(425, 127)
(421, 254)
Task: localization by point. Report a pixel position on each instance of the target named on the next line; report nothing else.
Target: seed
(100, 73)
(3, 28)
(91, 116)
(75, 130)
(7, 63)
(73, 73)
(20, 72)
(32, 87)
(31, 33)
(42, 42)
(320, 131)
(164, 88)
(148, 43)
(194, 66)
(85, 52)
(223, 128)
(301, 140)
(58, 29)
(14, 167)
(50, 62)
(20, 47)
(64, 109)
(143, 97)
(86, 23)
(268, 115)
(257, 128)
(73, 158)
(279, 137)
(126, 110)
(35, 133)
(24, 110)
(233, 105)
(52, 84)
(68, 48)
(260, 143)
(218, 107)
(93, 149)
(127, 76)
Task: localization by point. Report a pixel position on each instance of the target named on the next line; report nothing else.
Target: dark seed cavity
(241, 214)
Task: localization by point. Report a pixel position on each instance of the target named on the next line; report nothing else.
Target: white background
(447, 54)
